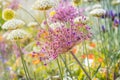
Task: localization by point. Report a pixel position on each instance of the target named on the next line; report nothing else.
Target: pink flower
(61, 40)
(14, 4)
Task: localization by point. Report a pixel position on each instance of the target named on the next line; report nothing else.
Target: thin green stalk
(23, 63)
(60, 69)
(66, 67)
(87, 57)
(81, 66)
(29, 14)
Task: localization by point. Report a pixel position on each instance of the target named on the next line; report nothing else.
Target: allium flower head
(13, 24)
(61, 40)
(8, 14)
(65, 13)
(43, 4)
(17, 35)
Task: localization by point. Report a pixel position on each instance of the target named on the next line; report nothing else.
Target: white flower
(116, 2)
(81, 19)
(32, 24)
(55, 25)
(96, 6)
(43, 4)
(13, 24)
(88, 62)
(17, 34)
(97, 12)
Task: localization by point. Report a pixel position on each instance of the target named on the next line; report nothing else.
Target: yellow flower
(52, 13)
(8, 14)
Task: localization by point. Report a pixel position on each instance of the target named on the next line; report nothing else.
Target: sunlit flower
(17, 34)
(97, 12)
(116, 2)
(43, 4)
(61, 40)
(97, 6)
(13, 24)
(52, 13)
(1, 38)
(8, 14)
(92, 44)
(65, 13)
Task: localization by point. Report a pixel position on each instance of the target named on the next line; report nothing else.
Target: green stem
(81, 66)
(29, 14)
(23, 63)
(66, 67)
(60, 69)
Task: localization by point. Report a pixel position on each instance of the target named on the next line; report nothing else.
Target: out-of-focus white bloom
(32, 24)
(116, 2)
(88, 9)
(97, 12)
(96, 6)
(36, 49)
(55, 25)
(17, 34)
(88, 62)
(81, 19)
(43, 4)
(13, 24)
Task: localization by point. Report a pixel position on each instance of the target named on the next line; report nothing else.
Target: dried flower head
(17, 35)
(8, 14)
(116, 2)
(43, 4)
(97, 6)
(97, 12)
(13, 24)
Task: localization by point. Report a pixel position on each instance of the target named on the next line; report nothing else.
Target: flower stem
(81, 66)
(66, 67)
(23, 63)
(60, 69)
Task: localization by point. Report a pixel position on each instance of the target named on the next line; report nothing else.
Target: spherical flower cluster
(61, 40)
(97, 11)
(43, 4)
(65, 13)
(17, 34)
(8, 14)
(13, 24)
